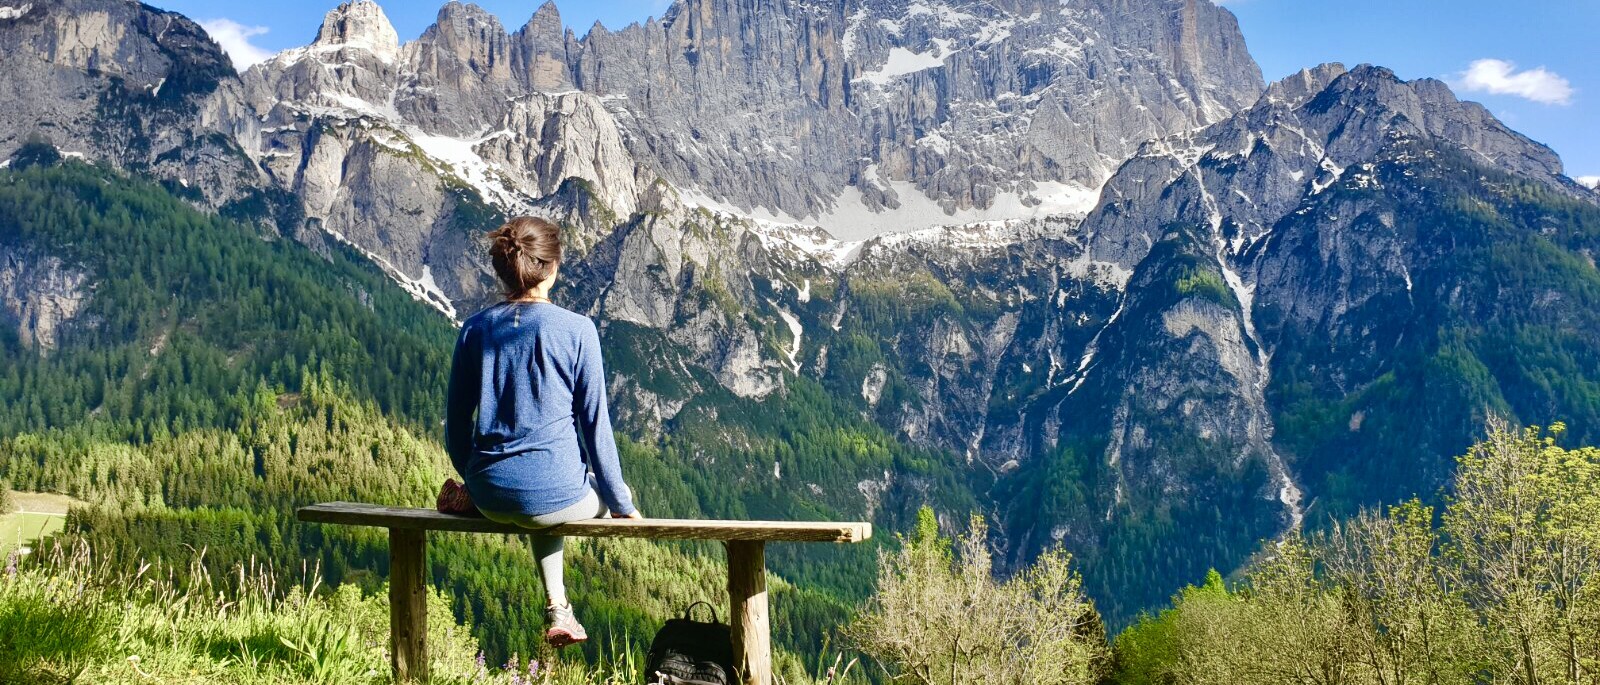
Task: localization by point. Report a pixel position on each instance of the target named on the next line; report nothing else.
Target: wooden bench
(747, 581)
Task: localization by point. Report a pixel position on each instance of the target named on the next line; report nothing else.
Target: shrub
(940, 616)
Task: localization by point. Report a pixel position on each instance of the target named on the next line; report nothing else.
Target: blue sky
(1535, 64)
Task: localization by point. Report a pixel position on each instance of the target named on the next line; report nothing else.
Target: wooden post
(408, 605)
(747, 600)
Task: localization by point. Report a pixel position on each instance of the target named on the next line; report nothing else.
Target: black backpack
(689, 652)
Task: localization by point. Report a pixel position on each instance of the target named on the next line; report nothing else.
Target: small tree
(1408, 622)
(7, 502)
(940, 616)
(1524, 533)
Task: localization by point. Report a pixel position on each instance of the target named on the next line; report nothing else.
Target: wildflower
(511, 667)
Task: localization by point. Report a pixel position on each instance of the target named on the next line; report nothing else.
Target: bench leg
(747, 600)
(408, 605)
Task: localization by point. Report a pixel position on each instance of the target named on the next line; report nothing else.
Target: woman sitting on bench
(527, 425)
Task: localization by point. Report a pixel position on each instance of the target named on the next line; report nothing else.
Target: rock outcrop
(128, 83)
(39, 295)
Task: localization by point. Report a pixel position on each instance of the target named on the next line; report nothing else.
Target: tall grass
(66, 617)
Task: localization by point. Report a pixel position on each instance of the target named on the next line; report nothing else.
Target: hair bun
(525, 251)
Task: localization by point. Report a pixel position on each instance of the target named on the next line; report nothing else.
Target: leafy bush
(1507, 590)
(940, 615)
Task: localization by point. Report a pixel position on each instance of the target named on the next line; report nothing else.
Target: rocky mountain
(920, 108)
(1147, 306)
(1295, 272)
(859, 118)
(130, 84)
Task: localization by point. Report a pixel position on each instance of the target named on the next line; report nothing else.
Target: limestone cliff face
(546, 140)
(125, 82)
(539, 52)
(862, 117)
(39, 295)
(408, 152)
(878, 105)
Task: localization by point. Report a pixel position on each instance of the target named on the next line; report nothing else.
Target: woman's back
(532, 373)
(527, 419)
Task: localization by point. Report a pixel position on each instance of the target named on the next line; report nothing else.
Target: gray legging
(547, 549)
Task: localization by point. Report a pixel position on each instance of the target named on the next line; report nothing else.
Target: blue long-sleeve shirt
(527, 416)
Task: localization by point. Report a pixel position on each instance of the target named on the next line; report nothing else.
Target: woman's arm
(594, 423)
(461, 399)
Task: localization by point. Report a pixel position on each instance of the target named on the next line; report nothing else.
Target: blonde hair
(525, 252)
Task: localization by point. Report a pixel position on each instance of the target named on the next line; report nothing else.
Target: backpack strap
(688, 614)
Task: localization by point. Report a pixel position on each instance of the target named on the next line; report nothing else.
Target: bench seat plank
(358, 514)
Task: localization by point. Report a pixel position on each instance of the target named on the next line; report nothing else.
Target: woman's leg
(547, 550)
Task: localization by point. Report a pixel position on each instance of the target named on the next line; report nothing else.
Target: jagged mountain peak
(1242, 174)
(540, 53)
(468, 13)
(545, 22)
(1296, 88)
(468, 31)
(360, 24)
(547, 10)
(1427, 107)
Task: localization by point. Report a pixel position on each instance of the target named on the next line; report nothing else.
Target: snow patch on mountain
(851, 219)
(848, 42)
(903, 61)
(422, 289)
(794, 328)
(15, 12)
(460, 155)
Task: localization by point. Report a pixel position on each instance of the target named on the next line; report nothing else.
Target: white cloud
(1499, 77)
(234, 37)
(1590, 181)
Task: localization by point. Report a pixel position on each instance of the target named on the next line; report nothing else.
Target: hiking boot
(564, 627)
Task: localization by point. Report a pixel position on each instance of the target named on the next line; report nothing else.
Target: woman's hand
(634, 515)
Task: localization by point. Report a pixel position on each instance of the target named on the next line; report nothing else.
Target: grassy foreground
(71, 619)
